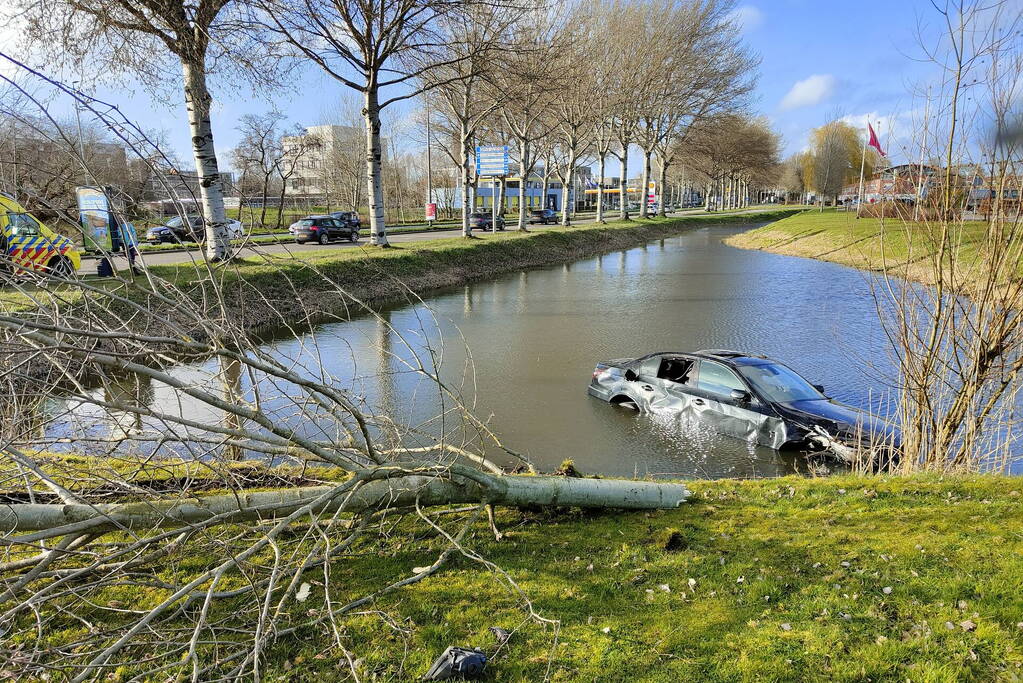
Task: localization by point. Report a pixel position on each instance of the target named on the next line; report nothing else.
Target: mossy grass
(847, 578)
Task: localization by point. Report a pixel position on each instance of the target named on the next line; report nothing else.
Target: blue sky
(820, 59)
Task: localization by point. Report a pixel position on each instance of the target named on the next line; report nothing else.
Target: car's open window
(676, 370)
(715, 378)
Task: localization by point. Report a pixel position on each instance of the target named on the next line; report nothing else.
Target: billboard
(431, 212)
(96, 218)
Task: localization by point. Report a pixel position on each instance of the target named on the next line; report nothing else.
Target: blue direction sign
(492, 161)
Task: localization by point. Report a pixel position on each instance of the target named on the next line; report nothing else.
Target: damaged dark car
(749, 397)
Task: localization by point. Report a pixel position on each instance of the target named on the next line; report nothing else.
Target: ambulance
(28, 245)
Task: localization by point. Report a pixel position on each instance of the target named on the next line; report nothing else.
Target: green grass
(790, 582)
(866, 243)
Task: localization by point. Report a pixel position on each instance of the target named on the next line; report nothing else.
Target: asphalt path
(157, 258)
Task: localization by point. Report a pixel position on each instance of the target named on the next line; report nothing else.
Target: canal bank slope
(834, 579)
(900, 248)
(268, 290)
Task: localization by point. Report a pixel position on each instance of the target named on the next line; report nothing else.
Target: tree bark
(623, 183)
(601, 163)
(567, 201)
(662, 174)
(374, 155)
(464, 170)
(211, 187)
(644, 192)
(404, 491)
(524, 168)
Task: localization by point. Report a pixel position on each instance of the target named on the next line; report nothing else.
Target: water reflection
(531, 340)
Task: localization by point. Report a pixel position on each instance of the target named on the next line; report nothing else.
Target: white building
(327, 158)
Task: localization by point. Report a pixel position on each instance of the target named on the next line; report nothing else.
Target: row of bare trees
(573, 89)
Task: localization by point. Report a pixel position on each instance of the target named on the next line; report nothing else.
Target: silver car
(746, 396)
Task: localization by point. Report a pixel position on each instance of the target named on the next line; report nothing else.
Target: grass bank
(268, 287)
(840, 579)
(903, 248)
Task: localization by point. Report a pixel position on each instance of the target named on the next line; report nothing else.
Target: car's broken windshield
(779, 384)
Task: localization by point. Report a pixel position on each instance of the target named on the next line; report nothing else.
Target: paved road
(161, 259)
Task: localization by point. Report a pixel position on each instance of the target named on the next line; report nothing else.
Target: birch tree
(382, 49)
(136, 39)
(463, 80)
(527, 76)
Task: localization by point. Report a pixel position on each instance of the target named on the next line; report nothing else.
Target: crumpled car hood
(839, 419)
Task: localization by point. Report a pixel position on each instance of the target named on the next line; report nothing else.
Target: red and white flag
(873, 141)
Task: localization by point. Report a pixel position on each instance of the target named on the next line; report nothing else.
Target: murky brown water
(534, 337)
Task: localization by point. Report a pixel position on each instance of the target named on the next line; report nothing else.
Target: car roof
(725, 355)
(319, 215)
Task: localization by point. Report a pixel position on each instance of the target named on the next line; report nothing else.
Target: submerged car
(746, 396)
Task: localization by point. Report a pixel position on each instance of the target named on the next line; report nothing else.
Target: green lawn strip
(790, 582)
(864, 243)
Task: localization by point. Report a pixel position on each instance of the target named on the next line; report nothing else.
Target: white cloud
(747, 18)
(809, 91)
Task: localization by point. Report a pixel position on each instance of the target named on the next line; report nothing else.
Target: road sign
(492, 161)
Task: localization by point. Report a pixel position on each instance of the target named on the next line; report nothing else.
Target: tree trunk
(662, 175)
(644, 192)
(524, 167)
(404, 491)
(374, 155)
(464, 170)
(623, 183)
(211, 187)
(567, 201)
(601, 163)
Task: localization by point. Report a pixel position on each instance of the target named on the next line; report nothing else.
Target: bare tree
(373, 48)
(129, 37)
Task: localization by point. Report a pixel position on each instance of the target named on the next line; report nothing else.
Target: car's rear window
(306, 222)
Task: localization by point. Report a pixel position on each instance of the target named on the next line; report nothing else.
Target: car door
(648, 388)
(715, 407)
(23, 239)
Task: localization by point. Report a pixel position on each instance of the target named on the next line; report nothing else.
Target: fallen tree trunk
(401, 491)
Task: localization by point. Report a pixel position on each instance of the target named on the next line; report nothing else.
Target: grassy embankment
(903, 248)
(384, 275)
(845, 578)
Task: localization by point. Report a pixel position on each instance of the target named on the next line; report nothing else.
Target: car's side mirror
(631, 375)
(819, 387)
(740, 396)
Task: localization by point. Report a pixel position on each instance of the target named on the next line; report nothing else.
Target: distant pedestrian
(130, 240)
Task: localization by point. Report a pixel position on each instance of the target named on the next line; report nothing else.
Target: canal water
(522, 348)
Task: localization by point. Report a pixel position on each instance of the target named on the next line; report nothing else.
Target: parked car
(543, 216)
(349, 217)
(189, 229)
(747, 396)
(483, 221)
(28, 245)
(323, 229)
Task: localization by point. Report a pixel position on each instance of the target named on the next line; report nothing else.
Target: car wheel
(354, 236)
(60, 267)
(324, 238)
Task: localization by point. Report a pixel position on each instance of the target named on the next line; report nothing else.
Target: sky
(820, 60)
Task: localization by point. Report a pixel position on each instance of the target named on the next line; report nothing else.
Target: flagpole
(863, 161)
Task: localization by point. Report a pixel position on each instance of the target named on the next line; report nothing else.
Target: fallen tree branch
(396, 491)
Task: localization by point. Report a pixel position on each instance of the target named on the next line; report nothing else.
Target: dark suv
(543, 216)
(483, 221)
(349, 217)
(323, 229)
